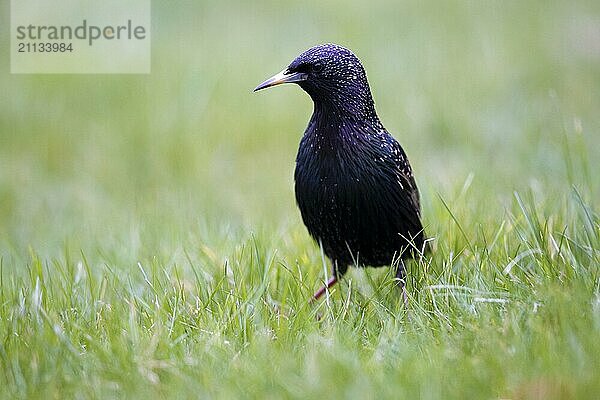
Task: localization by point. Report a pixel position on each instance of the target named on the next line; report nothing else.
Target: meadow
(150, 245)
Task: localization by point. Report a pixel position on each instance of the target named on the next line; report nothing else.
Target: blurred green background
(188, 152)
(489, 88)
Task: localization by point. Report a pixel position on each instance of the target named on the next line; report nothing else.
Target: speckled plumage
(354, 185)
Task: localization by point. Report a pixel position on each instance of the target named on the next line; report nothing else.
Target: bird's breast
(330, 176)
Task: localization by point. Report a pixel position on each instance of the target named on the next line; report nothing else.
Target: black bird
(354, 185)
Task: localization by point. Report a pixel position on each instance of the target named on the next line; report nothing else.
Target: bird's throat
(334, 118)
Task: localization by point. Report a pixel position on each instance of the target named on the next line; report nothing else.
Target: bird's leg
(336, 273)
(401, 281)
(322, 290)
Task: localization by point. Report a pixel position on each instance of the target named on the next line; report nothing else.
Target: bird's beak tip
(283, 77)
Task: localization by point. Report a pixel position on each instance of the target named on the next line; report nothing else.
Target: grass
(150, 245)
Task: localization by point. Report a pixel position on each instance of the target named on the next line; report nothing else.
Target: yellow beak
(283, 77)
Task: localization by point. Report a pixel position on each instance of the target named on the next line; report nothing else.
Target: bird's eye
(307, 68)
(301, 68)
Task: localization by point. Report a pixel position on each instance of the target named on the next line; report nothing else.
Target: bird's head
(332, 75)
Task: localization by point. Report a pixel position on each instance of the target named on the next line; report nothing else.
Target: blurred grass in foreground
(150, 244)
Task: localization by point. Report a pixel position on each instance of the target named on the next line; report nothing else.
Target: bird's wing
(405, 174)
(402, 188)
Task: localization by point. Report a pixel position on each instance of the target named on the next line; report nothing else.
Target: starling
(354, 185)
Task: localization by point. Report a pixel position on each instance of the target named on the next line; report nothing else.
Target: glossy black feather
(353, 182)
(356, 193)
